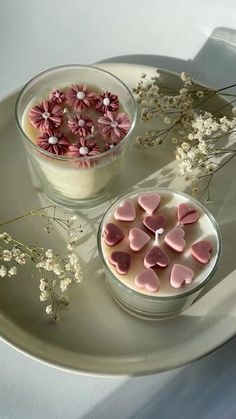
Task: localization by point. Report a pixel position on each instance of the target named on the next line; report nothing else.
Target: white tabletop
(196, 36)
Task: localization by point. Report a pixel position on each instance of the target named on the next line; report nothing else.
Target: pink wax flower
(57, 96)
(114, 127)
(46, 115)
(107, 102)
(80, 97)
(84, 148)
(80, 124)
(54, 142)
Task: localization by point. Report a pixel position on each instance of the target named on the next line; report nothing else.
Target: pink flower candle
(70, 119)
(159, 249)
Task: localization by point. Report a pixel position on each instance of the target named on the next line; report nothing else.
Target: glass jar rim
(96, 157)
(164, 297)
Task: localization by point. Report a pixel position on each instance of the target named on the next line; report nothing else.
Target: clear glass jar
(167, 301)
(62, 179)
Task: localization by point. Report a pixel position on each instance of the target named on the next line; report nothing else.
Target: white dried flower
(70, 247)
(200, 94)
(12, 271)
(49, 309)
(3, 271)
(43, 284)
(5, 237)
(49, 254)
(21, 259)
(73, 258)
(183, 91)
(64, 283)
(7, 255)
(44, 296)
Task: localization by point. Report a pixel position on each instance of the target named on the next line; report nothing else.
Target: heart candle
(167, 248)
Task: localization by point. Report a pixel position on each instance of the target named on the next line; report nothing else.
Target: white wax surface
(203, 229)
(67, 178)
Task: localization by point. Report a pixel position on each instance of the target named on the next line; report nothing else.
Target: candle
(159, 249)
(75, 122)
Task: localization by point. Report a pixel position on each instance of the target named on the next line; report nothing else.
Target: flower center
(53, 140)
(106, 101)
(45, 115)
(81, 123)
(84, 150)
(80, 95)
(114, 124)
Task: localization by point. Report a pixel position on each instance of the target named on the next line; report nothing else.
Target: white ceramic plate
(95, 336)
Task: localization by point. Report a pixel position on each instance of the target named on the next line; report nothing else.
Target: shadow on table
(214, 63)
(196, 390)
(192, 392)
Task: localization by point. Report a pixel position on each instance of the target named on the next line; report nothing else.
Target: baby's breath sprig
(205, 142)
(54, 271)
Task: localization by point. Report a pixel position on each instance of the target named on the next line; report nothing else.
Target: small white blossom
(6, 237)
(21, 259)
(49, 254)
(43, 284)
(167, 120)
(183, 91)
(44, 295)
(70, 247)
(64, 283)
(48, 309)
(73, 258)
(3, 271)
(7, 255)
(12, 271)
(200, 93)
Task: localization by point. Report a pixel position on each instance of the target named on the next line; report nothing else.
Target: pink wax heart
(112, 234)
(202, 251)
(156, 257)
(148, 280)
(126, 211)
(154, 222)
(138, 239)
(175, 239)
(149, 202)
(186, 214)
(121, 261)
(180, 275)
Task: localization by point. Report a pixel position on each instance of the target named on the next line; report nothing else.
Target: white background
(197, 36)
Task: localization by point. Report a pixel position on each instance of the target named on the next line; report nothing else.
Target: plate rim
(12, 95)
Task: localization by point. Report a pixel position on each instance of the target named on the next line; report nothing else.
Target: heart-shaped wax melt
(180, 275)
(154, 222)
(156, 257)
(121, 260)
(149, 202)
(138, 239)
(175, 239)
(112, 234)
(126, 211)
(202, 251)
(186, 214)
(148, 280)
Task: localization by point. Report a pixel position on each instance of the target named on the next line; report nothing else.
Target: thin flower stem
(27, 214)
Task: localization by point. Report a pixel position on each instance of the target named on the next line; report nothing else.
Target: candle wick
(157, 233)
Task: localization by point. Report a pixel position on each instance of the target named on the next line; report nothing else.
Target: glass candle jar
(72, 181)
(159, 249)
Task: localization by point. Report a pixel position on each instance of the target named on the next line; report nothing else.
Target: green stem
(32, 212)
